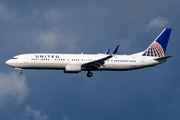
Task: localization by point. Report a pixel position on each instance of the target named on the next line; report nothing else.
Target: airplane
(75, 63)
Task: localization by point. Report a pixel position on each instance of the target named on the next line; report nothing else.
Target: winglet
(107, 52)
(115, 51)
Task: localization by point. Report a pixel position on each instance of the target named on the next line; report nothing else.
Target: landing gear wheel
(89, 74)
(21, 73)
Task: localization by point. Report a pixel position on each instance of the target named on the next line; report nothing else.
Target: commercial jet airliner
(75, 63)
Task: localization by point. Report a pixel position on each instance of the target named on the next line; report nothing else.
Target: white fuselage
(60, 61)
(75, 63)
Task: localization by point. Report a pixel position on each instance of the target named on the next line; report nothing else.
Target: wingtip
(116, 49)
(107, 52)
(169, 28)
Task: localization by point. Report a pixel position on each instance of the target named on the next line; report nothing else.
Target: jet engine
(72, 68)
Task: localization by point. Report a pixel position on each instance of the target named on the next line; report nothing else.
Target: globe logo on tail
(155, 50)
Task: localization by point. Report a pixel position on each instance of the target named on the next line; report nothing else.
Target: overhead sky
(67, 26)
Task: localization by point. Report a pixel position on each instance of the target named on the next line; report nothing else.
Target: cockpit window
(15, 58)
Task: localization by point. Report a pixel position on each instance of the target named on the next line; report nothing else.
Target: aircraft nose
(8, 62)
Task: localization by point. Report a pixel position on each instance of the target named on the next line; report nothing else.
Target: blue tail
(158, 47)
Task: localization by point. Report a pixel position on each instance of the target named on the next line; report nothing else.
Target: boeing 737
(75, 63)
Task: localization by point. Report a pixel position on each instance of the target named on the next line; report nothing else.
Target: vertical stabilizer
(158, 47)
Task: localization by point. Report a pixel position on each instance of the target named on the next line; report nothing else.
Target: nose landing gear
(89, 74)
(20, 69)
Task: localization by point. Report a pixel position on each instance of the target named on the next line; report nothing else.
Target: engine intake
(73, 68)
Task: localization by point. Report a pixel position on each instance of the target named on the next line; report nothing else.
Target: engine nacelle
(73, 68)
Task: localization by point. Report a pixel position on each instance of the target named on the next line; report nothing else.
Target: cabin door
(142, 61)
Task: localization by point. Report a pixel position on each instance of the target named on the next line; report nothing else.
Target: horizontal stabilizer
(163, 58)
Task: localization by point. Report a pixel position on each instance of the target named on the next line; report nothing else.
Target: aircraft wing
(98, 64)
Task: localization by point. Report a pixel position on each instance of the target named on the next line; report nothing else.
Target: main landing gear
(89, 74)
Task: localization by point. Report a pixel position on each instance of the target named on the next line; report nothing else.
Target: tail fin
(158, 47)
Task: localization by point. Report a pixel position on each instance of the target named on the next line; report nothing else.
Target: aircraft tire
(89, 74)
(21, 73)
